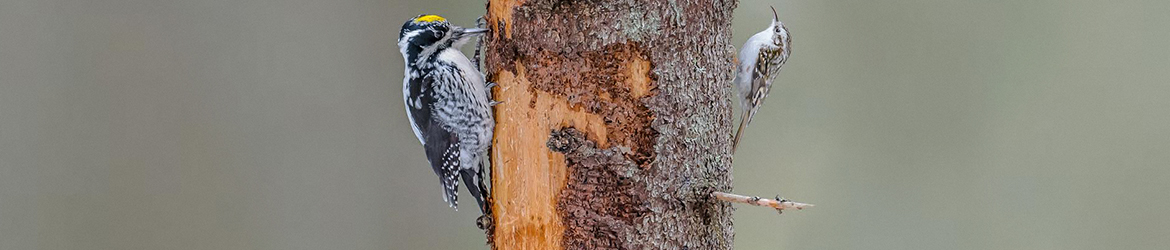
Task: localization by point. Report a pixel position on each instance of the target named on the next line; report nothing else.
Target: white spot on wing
(406, 102)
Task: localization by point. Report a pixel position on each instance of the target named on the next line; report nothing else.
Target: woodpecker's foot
(475, 59)
(491, 85)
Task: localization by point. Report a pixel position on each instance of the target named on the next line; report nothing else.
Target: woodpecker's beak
(775, 17)
(462, 35)
(474, 31)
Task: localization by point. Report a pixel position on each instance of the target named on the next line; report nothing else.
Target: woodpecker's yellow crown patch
(429, 18)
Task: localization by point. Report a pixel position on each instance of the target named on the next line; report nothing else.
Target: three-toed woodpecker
(447, 103)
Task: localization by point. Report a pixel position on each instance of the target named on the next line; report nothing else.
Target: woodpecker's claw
(489, 86)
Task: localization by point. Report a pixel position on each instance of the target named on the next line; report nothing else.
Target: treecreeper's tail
(743, 122)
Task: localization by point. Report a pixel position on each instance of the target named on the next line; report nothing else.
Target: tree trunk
(615, 124)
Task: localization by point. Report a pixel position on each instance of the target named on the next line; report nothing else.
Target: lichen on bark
(615, 123)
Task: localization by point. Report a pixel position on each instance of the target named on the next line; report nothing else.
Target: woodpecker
(760, 60)
(447, 103)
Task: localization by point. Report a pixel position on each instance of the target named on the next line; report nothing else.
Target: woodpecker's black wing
(442, 146)
(443, 152)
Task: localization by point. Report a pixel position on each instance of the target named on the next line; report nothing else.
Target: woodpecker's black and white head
(424, 36)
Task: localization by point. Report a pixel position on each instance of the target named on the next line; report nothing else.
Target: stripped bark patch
(530, 184)
(500, 15)
(610, 83)
(638, 77)
(650, 77)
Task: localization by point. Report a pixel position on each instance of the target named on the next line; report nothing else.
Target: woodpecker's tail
(474, 180)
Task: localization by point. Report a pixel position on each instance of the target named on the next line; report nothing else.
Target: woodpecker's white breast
(476, 116)
(470, 74)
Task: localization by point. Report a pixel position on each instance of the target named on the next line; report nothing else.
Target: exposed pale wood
(528, 176)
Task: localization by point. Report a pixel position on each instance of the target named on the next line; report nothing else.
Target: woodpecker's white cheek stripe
(405, 38)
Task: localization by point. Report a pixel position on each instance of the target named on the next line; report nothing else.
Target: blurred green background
(225, 124)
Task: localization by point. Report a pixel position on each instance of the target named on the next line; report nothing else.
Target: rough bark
(615, 122)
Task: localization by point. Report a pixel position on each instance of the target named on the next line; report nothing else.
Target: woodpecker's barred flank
(447, 103)
(760, 60)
